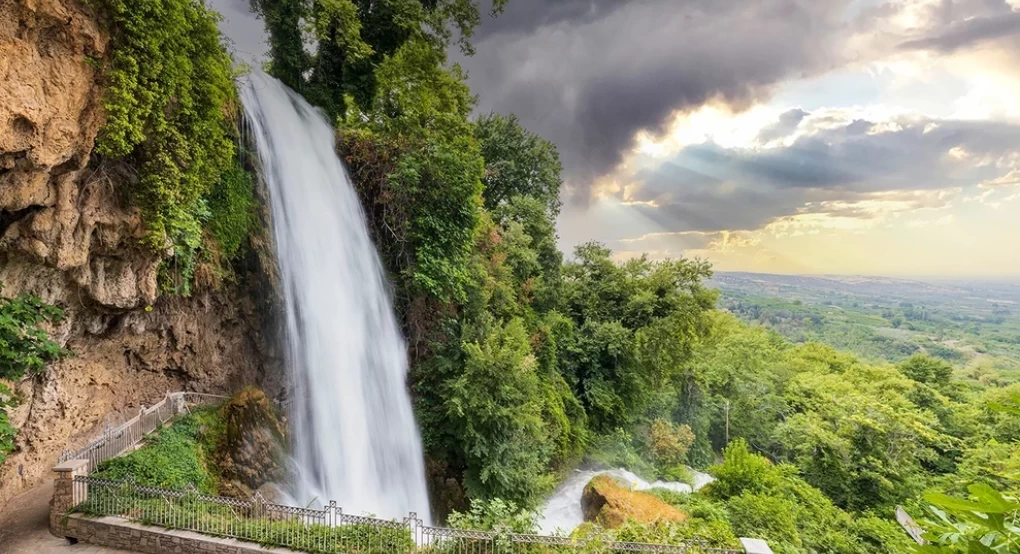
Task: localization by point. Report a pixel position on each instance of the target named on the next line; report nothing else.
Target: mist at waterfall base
(562, 510)
(353, 434)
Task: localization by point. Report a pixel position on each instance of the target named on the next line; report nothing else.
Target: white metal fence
(115, 441)
(329, 530)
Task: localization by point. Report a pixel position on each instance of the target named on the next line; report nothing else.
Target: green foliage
(174, 457)
(925, 369)
(193, 511)
(486, 515)
(431, 182)
(989, 522)
(518, 163)
(618, 449)
(638, 323)
(856, 435)
(353, 39)
(7, 431)
(697, 505)
(493, 406)
(771, 501)
(714, 534)
(742, 471)
(25, 345)
(231, 207)
(169, 99)
(768, 517)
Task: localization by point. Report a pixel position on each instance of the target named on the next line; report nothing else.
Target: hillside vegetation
(524, 363)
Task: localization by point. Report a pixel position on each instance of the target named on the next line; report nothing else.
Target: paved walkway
(24, 527)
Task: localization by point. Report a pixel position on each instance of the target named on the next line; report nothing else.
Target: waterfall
(353, 433)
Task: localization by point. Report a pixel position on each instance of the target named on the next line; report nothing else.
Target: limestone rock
(606, 502)
(54, 210)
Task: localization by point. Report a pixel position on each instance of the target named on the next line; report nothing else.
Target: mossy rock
(609, 504)
(252, 449)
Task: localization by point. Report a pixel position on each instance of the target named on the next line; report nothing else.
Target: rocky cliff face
(67, 235)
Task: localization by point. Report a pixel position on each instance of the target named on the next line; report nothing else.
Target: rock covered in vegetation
(252, 449)
(606, 502)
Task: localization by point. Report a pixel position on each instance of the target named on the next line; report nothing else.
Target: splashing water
(353, 432)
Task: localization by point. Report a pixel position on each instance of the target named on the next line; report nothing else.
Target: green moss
(175, 456)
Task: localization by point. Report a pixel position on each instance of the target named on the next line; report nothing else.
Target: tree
(353, 38)
(495, 406)
(669, 442)
(517, 163)
(638, 323)
(925, 369)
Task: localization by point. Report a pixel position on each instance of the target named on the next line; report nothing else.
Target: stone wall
(113, 532)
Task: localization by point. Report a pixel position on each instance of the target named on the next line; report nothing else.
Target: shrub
(231, 205)
(742, 471)
(768, 517)
(486, 515)
(24, 344)
(7, 431)
(25, 347)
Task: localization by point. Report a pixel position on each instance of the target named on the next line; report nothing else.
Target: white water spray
(352, 429)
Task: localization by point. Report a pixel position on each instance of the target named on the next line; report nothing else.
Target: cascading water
(353, 432)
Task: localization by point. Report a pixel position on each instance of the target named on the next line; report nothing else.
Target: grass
(173, 457)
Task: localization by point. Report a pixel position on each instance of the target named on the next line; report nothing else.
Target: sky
(783, 136)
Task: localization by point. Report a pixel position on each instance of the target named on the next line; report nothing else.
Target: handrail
(115, 441)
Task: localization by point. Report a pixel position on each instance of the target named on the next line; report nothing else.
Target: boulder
(251, 452)
(610, 504)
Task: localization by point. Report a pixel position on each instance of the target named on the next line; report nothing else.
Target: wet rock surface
(251, 455)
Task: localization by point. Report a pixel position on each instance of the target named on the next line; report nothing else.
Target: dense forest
(526, 362)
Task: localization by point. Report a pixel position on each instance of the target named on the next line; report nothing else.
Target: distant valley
(973, 323)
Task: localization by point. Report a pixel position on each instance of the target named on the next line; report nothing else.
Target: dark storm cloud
(961, 34)
(527, 15)
(707, 187)
(589, 75)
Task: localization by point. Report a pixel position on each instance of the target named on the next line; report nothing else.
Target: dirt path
(24, 527)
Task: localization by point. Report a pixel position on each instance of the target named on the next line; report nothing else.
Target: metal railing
(329, 530)
(115, 441)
